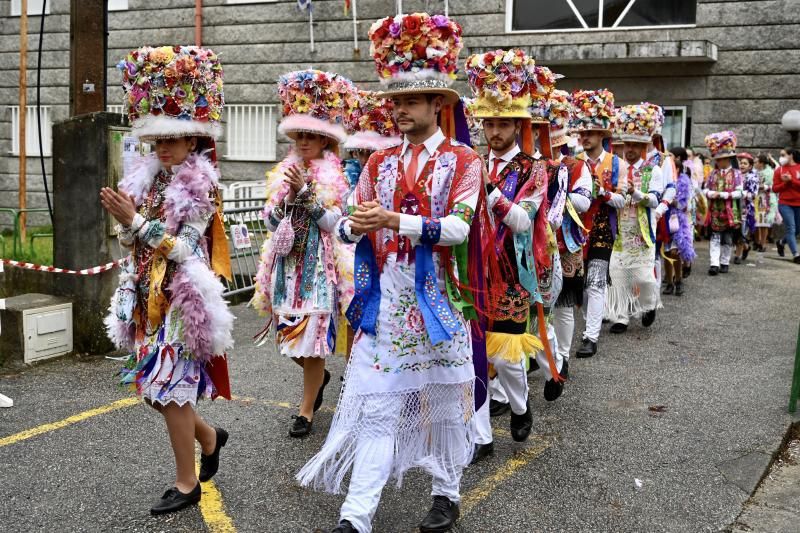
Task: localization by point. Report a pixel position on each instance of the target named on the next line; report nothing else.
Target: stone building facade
(714, 64)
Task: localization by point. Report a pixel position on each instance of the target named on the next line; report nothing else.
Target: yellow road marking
(74, 419)
(488, 485)
(213, 510)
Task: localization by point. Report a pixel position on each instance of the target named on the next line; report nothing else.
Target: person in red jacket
(786, 185)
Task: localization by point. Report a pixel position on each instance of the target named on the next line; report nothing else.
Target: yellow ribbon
(574, 214)
(218, 247)
(666, 257)
(157, 300)
(644, 224)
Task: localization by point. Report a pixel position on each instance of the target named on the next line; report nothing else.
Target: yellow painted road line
(487, 485)
(213, 510)
(74, 419)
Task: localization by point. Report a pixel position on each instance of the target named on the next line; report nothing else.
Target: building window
(31, 131)
(117, 5)
(250, 132)
(34, 7)
(594, 15)
(674, 130)
(115, 108)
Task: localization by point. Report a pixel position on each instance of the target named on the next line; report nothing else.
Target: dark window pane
(552, 14)
(651, 12)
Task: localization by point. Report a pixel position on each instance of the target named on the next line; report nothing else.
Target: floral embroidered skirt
(306, 335)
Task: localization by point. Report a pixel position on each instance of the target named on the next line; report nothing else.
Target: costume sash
(362, 313)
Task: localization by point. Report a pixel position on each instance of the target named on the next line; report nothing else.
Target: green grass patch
(38, 247)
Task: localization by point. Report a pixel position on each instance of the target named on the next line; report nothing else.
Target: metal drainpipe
(198, 22)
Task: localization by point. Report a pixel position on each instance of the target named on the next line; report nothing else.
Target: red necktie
(493, 174)
(411, 171)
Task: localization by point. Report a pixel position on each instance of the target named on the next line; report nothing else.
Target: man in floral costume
(407, 399)
(592, 119)
(723, 188)
(634, 289)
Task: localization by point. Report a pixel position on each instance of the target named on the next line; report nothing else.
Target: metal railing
(244, 261)
(16, 237)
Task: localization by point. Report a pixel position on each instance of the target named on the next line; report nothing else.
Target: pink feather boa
(188, 299)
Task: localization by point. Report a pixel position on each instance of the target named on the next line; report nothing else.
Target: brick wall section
(750, 86)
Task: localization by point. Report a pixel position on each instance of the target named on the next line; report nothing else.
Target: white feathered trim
(221, 318)
(304, 122)
(153, 127)
(371, 140)
(140, 178)
(419, 75)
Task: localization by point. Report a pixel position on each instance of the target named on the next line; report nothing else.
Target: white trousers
(564, 325)
(595, 299)
(541, 357)
(510, 385)
(373, 466)
(720, 248)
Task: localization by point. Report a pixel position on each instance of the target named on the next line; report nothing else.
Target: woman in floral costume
(766, 203)
(169, 309)
(297, 281)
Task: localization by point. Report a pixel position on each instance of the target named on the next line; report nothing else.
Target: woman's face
(758, 165)
(173, 152)
(310, 146)
(745, 165)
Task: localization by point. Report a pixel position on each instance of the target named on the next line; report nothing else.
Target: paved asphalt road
(694, 408)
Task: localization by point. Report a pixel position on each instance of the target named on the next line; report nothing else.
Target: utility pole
(87, 56)
(22, 115)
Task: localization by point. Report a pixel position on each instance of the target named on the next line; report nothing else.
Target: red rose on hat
(172, 108)
(411, 25)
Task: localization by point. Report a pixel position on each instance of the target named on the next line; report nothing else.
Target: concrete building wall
(752, 82)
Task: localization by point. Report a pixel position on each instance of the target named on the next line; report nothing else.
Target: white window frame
(115, 108)
(117, 5)
(586, 28)
(266, 135)
(31, 131)
(34, 8)
(684, 119)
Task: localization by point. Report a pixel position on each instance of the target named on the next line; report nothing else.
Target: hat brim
(291, 125)
(723, 155)
(151, 128)
(630, 138)
(606, 132)
(451, 96)
(371, 140)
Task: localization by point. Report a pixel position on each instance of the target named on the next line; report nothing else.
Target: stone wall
(751, 84)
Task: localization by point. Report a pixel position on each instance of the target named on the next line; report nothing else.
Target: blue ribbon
(363, 310)
(440, 322)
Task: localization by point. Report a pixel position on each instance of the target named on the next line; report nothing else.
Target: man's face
(633, 152)
(590, 140)
(500, 133)
(724, 162)
(415, 112)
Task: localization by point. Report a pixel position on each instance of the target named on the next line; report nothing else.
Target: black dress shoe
(441, 517)
(648, 318)
(521, 425)
(533, 366)
(587, 349)
(565, 368)
(209, 464)
(300, 427)
(325, 381)
(498, 408)
(723, 269)
(344, 527)
(679, 289)
(619, 327)
(552, 390)
(781, 248)
(669, 289)
(174, 500)
(737, 260)
(796, 259)
(713, 271)
(482, 451)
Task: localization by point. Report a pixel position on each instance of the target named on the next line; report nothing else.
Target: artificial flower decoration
(371, 124)
(560, 115)
(500, 82)
(541, 85)
(416, 53)
(173, 91)
(593, 110)
(638, 123)
(721, 144)
(315, 102)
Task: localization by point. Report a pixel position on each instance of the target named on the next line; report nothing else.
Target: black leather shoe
(209, 464)
(619, 327)
(325, 381)
(679, 289)
(587, 349)
(565, 368)
(344, 527)
(713, 271)
(498, 408)
(521, 424)
(481, 452)
(648, 318)
(441, 517)
(796, 259)
(174, 500)
(723, 269)
(737, 260)
(669, 289)
(552, 390)
(533, 366)
(300, 427)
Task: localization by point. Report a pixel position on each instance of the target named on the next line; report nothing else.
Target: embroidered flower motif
(414, 320)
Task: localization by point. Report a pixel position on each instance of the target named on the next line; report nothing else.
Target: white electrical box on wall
(48, 332)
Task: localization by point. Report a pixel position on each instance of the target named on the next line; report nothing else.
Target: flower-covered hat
(721, 144)
(616, 129)
(560, 116)
(593, 110)
(541, 85)
(499, 81)
(173, 91)
(315, 102)
(416, 53)
(638, 123)
(474, 125)
(370, 123)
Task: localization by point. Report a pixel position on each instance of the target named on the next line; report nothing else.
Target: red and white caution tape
(42, 268)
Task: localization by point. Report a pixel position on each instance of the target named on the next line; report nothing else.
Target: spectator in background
(766, 202)
(786, 183)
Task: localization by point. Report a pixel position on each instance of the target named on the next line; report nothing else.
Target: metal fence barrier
(244, 260)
